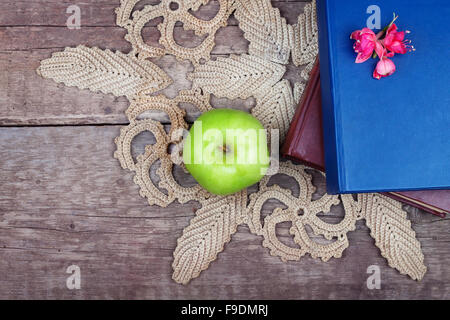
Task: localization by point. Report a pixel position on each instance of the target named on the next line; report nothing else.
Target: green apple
(226, 151)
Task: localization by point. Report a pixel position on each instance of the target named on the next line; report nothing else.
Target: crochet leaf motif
(393, 234)
(270, 36)
(306, 45)
(241, 76)
(276, 109)
(104, 71)
(206, 235)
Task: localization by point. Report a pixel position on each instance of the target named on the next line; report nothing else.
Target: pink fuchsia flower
(365, 43)
(395, 41)
(385, 68)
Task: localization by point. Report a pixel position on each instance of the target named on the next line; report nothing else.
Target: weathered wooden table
(65, 201)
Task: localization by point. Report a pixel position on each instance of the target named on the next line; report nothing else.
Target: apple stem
(225, 148)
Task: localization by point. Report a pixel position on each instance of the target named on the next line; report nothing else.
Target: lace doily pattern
(257, 74)
(172, 11)
(159, 152)
(302, 211)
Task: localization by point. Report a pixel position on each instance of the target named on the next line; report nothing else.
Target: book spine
(334, 176)
(417, 204)
(295, 134)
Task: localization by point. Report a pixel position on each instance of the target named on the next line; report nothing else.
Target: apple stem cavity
(226, 149)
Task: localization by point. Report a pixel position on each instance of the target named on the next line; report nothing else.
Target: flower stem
(382, 32)
(390, 24)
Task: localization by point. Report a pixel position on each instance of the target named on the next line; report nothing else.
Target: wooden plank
(64, 200)
(228, 40)
(29, 100)
(100, 13)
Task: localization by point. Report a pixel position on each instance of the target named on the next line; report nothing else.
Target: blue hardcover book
(391, 134)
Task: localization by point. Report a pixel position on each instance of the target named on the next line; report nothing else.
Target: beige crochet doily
(257, 74)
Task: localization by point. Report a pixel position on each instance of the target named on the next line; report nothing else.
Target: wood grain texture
(65, 200)
(100, 13)
(25, 41)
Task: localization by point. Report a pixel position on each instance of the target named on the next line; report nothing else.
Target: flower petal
(392, 28)
(385, 68)
(399, 36)
(362, 57)
(356, 35)
(379, 49)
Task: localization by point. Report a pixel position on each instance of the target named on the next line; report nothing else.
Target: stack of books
(390, 135)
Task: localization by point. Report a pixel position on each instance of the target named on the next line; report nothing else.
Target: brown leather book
(304, 143)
